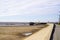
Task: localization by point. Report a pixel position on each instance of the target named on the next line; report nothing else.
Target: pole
(59, 18)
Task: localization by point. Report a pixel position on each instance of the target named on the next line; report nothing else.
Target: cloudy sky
(29, 10)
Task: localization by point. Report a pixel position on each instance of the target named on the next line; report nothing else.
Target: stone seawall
(43, 34)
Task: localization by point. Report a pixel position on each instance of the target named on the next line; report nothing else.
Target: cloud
(22, 7)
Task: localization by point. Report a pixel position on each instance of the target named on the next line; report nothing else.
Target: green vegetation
(58, 23)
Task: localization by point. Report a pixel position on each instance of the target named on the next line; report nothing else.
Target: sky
(29, 10)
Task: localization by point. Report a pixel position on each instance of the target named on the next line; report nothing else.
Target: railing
(51, 37)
